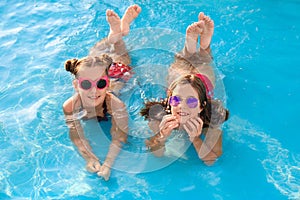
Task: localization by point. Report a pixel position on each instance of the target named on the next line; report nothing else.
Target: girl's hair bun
(70, 65)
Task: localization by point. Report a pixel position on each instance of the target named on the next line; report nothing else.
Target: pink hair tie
(208, 85)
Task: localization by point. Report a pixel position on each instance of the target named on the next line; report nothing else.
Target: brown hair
(213, 112)
(146, 111)
(73, 65)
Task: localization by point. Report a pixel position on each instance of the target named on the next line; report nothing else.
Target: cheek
(82, 93)
(173, 110)
(102, 92)
(195, 112)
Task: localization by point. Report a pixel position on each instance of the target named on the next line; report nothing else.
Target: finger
(194, 122)
(186, 128)
(172, 126)
(171, 123)
(166, 119)
(90, 168)
(200, 126)
(199, 120)
(97, 166)
(192, 126)
(167, 123)
(168, 129)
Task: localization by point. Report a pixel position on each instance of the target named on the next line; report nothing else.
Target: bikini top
(208, 85)
(81, 114)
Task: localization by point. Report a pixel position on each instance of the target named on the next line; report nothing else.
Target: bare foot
(114, 22)
(130, 14)
(208, 30)
(192, 33)
(104, 172)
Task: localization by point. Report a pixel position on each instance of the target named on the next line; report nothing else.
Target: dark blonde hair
(213, 112)
(73, 65)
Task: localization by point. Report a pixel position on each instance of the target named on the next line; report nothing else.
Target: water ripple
(282, 167)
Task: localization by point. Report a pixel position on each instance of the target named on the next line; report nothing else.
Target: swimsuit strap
(99, 118)
(104, 118)
(208, 85)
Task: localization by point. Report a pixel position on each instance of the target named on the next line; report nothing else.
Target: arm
(76, 134)
(163, 130)
(211, 148)
(119, 128)
(156, 144)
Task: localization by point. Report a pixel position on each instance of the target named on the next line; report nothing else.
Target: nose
(181, 105)
(93, 89)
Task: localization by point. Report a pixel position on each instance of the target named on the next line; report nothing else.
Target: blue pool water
(255, 49)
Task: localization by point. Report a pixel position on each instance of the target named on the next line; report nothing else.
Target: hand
(104, 172)
(193, 127)
(93, 165)
(168, 123)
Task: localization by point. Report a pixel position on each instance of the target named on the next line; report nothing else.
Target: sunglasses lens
(85, 84)
(174, 100)
(101, 83)
(192, 102)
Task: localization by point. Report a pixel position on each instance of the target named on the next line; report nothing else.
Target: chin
(183, 120)
(92, 103)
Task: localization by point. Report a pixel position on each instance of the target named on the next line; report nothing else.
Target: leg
(190, 61)
(192, 33)
(114, 37)
(113, 152)
(130, 14)
(207, 33)
(119, 47)
(114, 45)
(114, 22)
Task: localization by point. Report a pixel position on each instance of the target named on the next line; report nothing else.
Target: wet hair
(73, 65)
(213, 113)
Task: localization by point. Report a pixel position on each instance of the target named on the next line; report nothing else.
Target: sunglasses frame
(181, 100)
(93, 83)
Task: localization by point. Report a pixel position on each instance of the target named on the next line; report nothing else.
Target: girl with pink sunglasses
(189, 106)
(96, 83)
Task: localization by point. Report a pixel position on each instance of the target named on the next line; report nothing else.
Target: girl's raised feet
(130, 14)
(208, 30)
(114, 22)
(192, 33)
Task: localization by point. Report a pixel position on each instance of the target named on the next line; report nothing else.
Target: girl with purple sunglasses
(189, 106)
(96, 76)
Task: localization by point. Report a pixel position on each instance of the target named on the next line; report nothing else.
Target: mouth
(94, 97)
(183, 114)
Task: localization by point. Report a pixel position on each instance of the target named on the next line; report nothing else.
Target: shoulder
(70, 104)
(113, 100)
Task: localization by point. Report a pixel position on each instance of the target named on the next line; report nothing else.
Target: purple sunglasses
(192, 102)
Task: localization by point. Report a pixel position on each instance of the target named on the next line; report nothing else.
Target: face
(90, 97)
(189, 104)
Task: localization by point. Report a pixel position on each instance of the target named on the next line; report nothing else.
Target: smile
(94, 97)
(183, 114)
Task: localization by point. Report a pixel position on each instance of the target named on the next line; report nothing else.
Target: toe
(201, 16)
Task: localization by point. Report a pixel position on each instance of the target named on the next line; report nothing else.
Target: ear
(75, 84)
(203, 104)
(201, 109)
